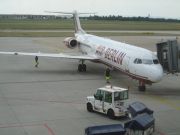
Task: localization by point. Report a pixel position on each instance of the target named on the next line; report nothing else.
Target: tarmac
(51, 99)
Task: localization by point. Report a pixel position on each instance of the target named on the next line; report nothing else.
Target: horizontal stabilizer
(71, 13)
(77, 24)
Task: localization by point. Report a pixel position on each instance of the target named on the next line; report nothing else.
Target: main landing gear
(82, 67)
(142, 86)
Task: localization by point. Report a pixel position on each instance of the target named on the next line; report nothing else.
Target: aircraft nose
(156, 74)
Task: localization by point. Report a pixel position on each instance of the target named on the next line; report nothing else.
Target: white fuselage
(139, 63)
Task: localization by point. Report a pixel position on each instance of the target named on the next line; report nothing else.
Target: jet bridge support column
(168, 54)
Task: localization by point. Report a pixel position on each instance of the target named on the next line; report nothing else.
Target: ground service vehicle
(109, 100)
(114, 129)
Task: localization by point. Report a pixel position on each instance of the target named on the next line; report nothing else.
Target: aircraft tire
(84, 67)
(80, 68)
(142, 88)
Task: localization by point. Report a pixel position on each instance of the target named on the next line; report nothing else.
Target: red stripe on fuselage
(117, 57)
(134, 76)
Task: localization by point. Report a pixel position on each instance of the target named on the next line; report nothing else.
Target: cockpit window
(139, 61)
(147, 61)
(155, 61)
(135, 61)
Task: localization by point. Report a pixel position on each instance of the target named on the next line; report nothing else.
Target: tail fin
(77, 23)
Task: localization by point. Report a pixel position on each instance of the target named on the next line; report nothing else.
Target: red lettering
(114, 55)
(122, 57)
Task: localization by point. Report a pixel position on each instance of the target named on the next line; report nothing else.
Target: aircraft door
(127, 60)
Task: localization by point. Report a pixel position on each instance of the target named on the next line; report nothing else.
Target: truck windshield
(120, 95)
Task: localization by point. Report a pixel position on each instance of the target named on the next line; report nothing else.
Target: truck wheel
(89, 107)
(110, 114)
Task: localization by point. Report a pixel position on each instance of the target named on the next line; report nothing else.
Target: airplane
(138, 63)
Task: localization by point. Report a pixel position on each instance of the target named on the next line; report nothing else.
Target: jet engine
(70, 42)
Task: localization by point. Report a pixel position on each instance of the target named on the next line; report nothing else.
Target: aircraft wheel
(142, 88)
(80, 68)
(84, 67)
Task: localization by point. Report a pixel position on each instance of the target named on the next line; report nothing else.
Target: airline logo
(113, 55)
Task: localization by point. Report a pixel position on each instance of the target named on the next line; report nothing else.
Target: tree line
(95, 17)
(121, 18)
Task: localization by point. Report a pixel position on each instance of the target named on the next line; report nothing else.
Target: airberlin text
(113, 55)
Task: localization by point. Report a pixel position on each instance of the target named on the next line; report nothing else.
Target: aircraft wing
(54, 55)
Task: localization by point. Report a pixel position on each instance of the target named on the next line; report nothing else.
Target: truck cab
(109, 100)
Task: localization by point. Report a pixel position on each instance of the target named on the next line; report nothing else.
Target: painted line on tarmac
(14, 125)
(51, 132)
(18, 125)
(159, 132)
(51, 81)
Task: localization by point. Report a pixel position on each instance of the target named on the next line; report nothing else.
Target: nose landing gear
(142, 86)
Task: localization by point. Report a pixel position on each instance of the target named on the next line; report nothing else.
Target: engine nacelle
(70, 42)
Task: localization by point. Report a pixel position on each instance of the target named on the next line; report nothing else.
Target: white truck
(109, 100)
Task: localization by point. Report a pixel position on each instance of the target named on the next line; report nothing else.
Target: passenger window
(108, 97)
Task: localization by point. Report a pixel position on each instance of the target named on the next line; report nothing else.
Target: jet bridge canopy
(168, 53)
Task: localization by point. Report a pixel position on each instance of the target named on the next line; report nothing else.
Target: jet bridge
(168, 53)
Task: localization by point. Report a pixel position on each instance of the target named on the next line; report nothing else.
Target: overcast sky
(156, 8)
